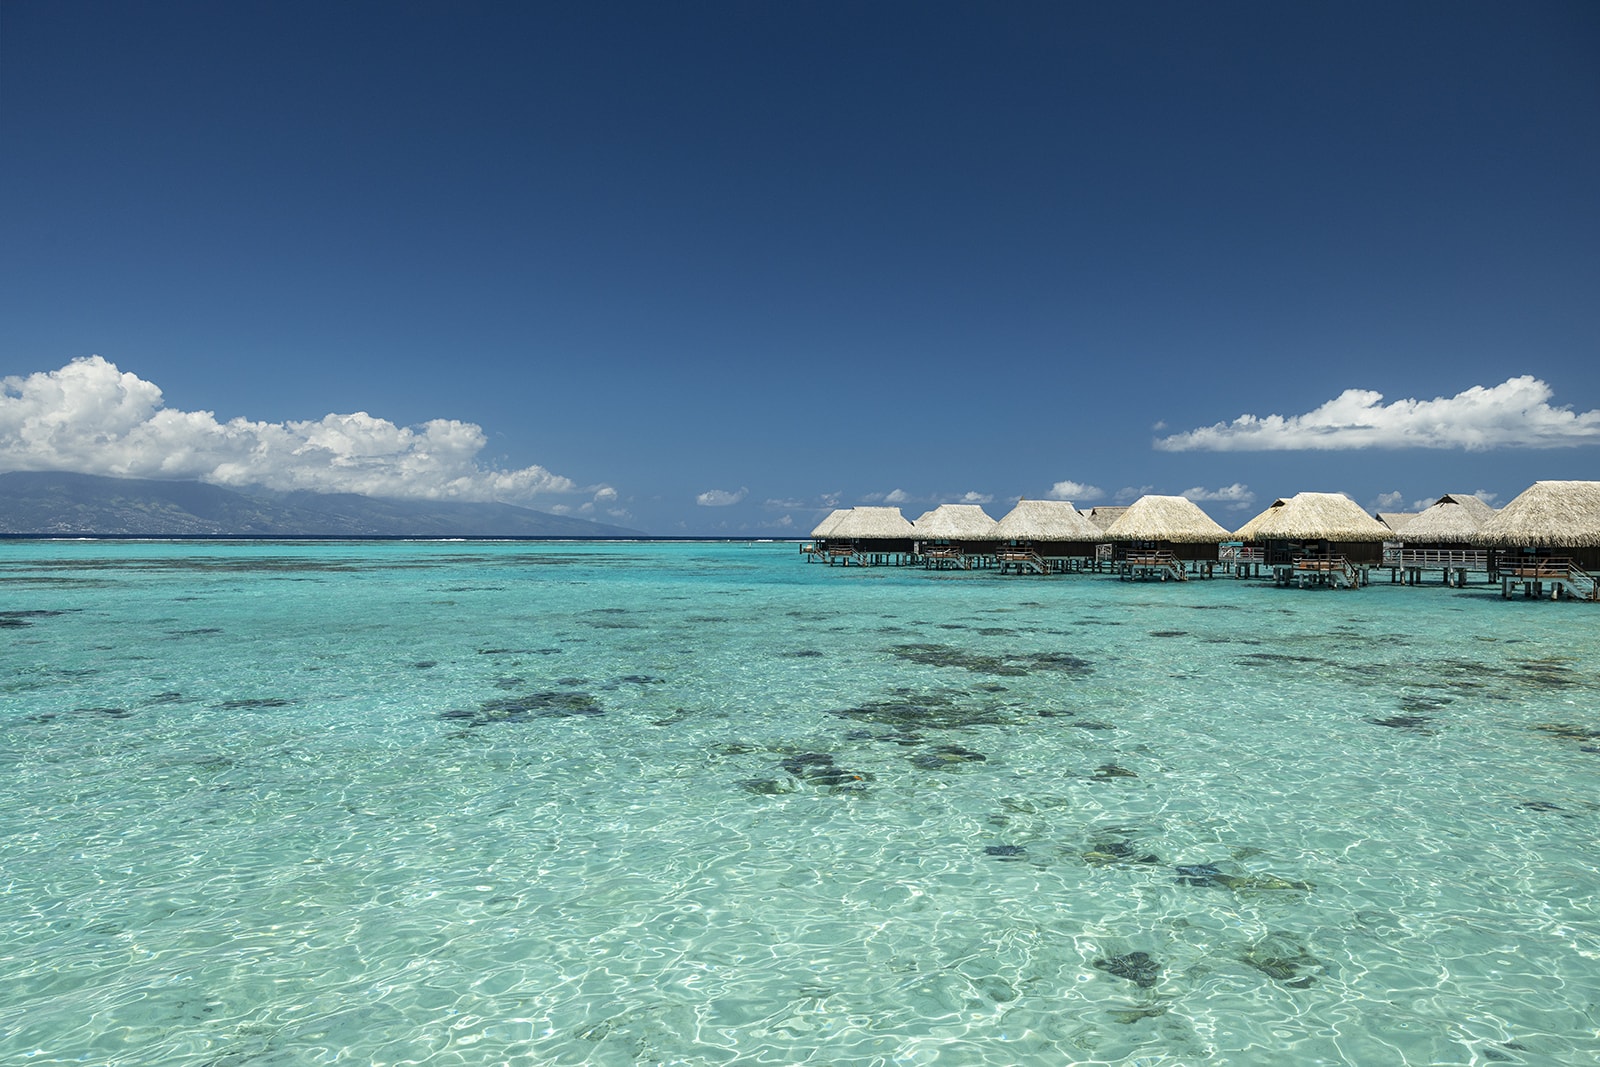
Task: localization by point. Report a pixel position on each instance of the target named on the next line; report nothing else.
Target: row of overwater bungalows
(1547, 539)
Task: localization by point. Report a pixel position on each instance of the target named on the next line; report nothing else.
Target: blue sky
(719, 267)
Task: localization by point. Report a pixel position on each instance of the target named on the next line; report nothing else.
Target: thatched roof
(869, 522)
(1166, 518)
(1548, 515)
(956, 522)
(1046, 520)
(1453, 519)
(1314, 517)
(1106, 514)
(825, 527)
(1396, 520)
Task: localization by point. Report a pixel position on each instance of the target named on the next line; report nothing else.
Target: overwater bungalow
(959, 536)
(1165, 537)
(1548, 537)
(1045, 537)
(817, 547)
(870, 536)
(1443, 538)
(1317, 539)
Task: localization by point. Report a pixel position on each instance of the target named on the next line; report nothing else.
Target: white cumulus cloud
(720, 498)
(91, 418)
(1235, 494)
(1075, 491)
(977, 498)
(1515, 413)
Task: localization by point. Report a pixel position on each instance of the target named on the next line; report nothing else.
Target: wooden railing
(1022, 557)
(1553, 569)
(1430, 558)
(1164, 563)
(1329, 566)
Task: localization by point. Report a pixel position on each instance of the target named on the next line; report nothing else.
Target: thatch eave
(1047, 521)
(1173, 519)
(1331, 517)
(825, 527)
(955, 522)
(1554, 514)
(872, 523)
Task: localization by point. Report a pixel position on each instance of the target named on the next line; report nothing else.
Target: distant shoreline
(568, 538)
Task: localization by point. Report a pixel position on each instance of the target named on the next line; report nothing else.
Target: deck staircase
(1335, 571)
(1563, 576)
(942, 557)
(1162, 566)
(1025, 560)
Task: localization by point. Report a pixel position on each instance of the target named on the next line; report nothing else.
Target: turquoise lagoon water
(502, 803)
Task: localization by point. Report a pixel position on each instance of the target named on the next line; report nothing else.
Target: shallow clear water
(461, 803)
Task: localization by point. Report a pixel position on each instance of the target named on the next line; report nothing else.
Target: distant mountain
(55, 504)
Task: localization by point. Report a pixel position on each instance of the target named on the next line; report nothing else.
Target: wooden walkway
(1564, 577)
(1335, 572)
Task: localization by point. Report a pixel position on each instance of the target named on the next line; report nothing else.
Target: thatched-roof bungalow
(869, 535)
(826, 526)
(955, 522)
(1442, 538)
(1552, 526)
(817, 547)
(1045, 535)
(1157, 536)
(1453, 519)
(1323, 537)
(955, 535)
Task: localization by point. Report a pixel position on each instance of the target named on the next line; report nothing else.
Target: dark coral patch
(1006, 852)
(103, 713)
(1540, 805)
(253, 703)
(944, 757)
(83, 713)
(982, 663)
(18, 619)
(1137, 967)
(1116, 852)
(551, 704)
(1263, 659)
(1284, 959)
(925, 711)
(1203, 875)
(806, 762)
(1417, 724)
(519, 652)
(818, 768)
(1568, 732)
